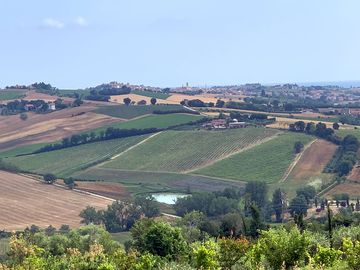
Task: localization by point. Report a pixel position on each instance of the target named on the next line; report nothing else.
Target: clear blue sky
(80, 43)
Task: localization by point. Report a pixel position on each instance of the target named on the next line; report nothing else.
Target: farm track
(132, 147)
(295, 161)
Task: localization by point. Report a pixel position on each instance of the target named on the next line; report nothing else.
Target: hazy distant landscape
(180, 135)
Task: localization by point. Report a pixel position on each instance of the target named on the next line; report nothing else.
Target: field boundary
(29, 176)
(135, 145)
(235, 153)
(295, 162)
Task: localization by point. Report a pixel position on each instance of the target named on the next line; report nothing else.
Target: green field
(129, 112)
(71, 92)
(179, 151)
(8, 94)
(154, 121)
(65, 162)
(121, 237)
(21, 150)
(344, 132)
(4, 246)
(150, 94)
(265, 162)
(150, 182)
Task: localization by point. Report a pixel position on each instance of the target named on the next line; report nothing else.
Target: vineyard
(265, 162)
(66, 161)
(183, 151)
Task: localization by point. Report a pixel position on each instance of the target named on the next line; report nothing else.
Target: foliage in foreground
(160, 245)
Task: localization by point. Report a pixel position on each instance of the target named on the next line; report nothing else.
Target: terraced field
(265, 162)
(183, 151)
(129, 112)
(67, 161)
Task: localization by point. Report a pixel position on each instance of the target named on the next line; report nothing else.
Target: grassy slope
(150, 94)
(128, 112)
(344, 132)
(7, 95)
(150, 121)
(265, 162)
(66, 161)
(70, 92)
(177, 151)
(154, 121)
(26, 149)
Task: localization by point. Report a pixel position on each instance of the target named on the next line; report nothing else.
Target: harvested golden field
(33, 95)
(177, 98)
(24, 201)
(313, 160)
(283, 122)
(39, 128)
(137, 98)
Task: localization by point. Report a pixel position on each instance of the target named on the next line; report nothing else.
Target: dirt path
(295, 161)
(135, 145)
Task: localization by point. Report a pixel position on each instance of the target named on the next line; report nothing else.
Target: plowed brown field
(313, 160)
(39, 128)
(355, 174)
(112, 190)
(353, 189)
(24, 201)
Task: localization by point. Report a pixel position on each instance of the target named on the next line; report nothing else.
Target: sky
(81, 43)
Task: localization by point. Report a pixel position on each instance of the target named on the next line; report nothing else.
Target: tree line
(109, 134)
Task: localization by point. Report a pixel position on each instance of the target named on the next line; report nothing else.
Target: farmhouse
(222, 124)
(236, 124)
(52, 106)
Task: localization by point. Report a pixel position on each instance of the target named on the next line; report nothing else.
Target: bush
(49, 178)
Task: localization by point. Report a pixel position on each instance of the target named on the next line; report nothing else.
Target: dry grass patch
(137, 98)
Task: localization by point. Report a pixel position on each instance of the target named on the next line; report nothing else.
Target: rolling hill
(182, 151)
(265, 162)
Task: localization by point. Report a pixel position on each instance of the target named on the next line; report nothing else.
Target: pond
(168, 198)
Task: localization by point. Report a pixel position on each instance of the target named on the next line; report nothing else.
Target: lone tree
(279, 204)
(153, 101)
(127, 101)
(220, 103)
(23, 116)
(298, 206)
(298, 147)
(336, 126)
(49, 178)
(69, 182)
